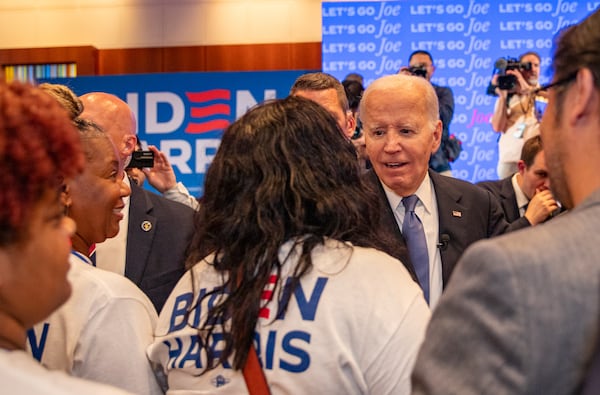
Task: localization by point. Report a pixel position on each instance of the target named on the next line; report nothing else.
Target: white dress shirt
(427, 211)
(522, 200)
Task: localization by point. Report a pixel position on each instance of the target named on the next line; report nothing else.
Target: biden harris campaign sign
(465, 38)
(184, 114)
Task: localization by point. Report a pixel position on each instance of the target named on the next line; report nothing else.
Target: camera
(141, 159)
(418, 70)
(505, 81)
(514, 64)
(508, 82)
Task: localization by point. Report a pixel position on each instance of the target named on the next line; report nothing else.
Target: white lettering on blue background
(464, 37)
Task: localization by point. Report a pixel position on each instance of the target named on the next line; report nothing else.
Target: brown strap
(254, 375)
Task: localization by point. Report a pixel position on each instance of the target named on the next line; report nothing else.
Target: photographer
(514, 113)
(421, 64)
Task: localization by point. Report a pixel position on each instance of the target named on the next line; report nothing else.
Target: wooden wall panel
(299, 56)
(248, 57)
(130, 61)
(86, 57)
(293, 56)
(306, 56)
(255, 57)
(176, 59)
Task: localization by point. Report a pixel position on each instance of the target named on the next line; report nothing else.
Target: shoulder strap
(254, 375)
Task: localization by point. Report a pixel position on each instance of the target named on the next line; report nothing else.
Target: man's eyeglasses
(554, 84)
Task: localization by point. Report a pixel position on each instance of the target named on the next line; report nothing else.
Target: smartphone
(141, 159)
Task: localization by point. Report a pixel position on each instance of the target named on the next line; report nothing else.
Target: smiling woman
(39, 150)
(95, 197)
(106, 313)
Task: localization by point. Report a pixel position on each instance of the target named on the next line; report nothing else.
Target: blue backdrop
(184, 114)
(465, 38)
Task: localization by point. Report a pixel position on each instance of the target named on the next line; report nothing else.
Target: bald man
(402, 130)
(151, 252)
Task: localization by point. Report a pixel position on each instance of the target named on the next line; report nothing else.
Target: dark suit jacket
(157, 240)
(467, 213)
(439, 161)
(505, 193)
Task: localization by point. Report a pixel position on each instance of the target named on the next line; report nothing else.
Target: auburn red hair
(39, 148)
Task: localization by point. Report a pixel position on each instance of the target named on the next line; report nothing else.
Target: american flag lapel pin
(456, 213)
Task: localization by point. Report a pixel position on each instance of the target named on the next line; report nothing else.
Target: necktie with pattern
(412, 230)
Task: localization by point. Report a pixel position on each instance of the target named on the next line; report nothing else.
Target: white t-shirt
(22, 375)
(101, 332)
(353, 326)
(427, 211)
(522, 124)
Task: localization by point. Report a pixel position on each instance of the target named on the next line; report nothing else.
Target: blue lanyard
(82, 257)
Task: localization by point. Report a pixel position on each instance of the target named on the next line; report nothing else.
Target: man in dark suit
(527, 192)
(402, 129)
(158, 235)
(152, 252)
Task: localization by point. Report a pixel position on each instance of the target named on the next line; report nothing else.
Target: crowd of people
(328, 254)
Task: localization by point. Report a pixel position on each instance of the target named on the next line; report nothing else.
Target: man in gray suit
(592, 381)
(521, 313)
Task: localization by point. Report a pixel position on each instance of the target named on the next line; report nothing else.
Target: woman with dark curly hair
(39, 151)
(284, 260)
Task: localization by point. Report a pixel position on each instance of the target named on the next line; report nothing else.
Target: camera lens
(507, 82)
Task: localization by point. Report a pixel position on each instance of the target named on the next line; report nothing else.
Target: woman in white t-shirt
(39, 149)
(284, 259)
(102, 331)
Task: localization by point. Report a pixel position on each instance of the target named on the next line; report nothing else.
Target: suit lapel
(387, 220)
(509, 200)
(451, 215)
(141, 231)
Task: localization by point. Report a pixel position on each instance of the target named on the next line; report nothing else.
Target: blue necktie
(412, 230)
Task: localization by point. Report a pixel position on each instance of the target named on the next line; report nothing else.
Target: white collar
(425, 193)
(81, 257)
(522, 200)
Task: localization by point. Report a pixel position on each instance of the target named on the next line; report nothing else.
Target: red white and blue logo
(209, 111)
(184, 114)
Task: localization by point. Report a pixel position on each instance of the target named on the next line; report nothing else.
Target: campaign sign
(465, 38)
(184, 114)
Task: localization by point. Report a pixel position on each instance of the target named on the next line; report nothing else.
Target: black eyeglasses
(554, 84)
